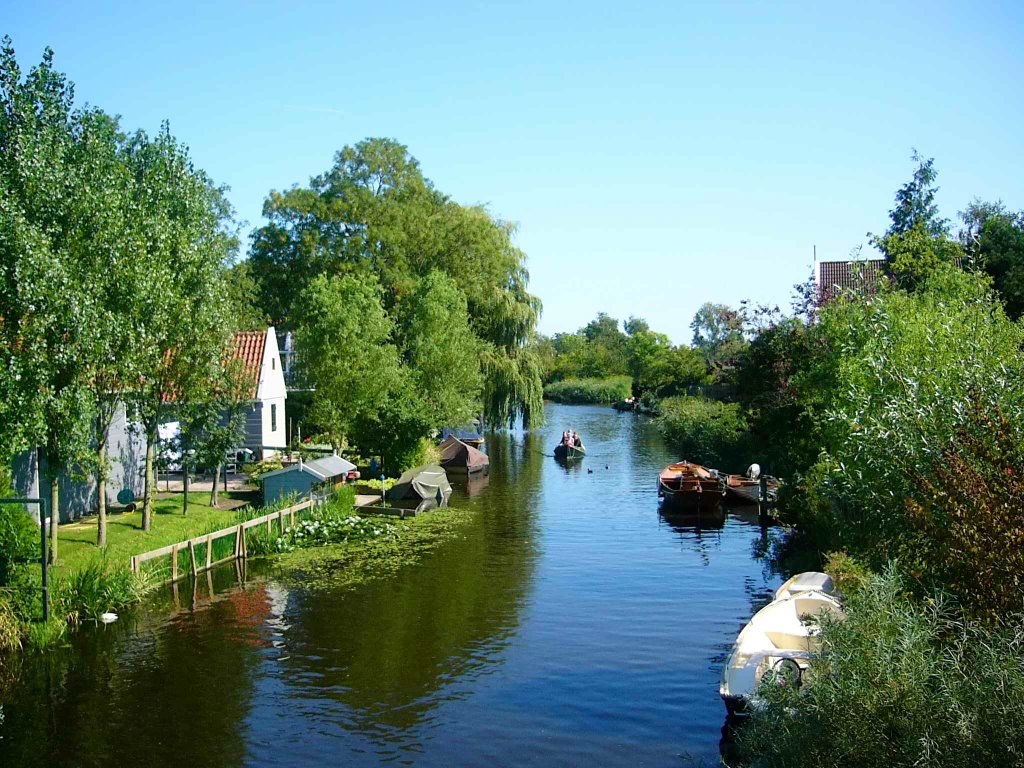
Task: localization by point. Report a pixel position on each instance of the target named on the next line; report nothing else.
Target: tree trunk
(150, 484)
(54, 517)
(213, 493)
(101, 497)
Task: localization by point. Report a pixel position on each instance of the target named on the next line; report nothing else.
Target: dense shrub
(705, 431)
(19, 541)
(424, 451)
(581, 391)
(910, 367)
(257, 469)
(971, 516)
(900, 683)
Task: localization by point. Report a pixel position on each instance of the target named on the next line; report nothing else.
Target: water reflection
(568, 623)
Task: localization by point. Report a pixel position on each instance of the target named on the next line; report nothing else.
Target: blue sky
(655, 156)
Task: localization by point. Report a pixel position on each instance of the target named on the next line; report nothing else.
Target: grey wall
(126, 453)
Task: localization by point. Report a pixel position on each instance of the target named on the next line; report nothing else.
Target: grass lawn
(77, 541)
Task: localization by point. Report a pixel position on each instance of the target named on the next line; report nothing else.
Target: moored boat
(691, 487)
(779, 640)
(741, 489)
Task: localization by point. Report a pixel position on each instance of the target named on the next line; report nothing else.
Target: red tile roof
(248, 347)
(860, 277)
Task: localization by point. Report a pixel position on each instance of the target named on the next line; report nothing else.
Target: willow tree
(374, 212)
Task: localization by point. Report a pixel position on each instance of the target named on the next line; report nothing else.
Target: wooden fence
(238, 531)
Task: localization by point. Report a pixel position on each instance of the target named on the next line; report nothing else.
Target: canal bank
(563, 622)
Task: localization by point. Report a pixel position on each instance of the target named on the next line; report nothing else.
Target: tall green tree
(373, 212)
(343, 338)
(183, 221)
(917, 240)
(718, 333)
(994, 239)
(442, 352)
(915, 202)
(52, 170)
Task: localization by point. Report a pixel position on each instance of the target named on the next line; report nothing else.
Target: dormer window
(273, 363)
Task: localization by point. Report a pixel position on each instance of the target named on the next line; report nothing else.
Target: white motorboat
(806, 582)
(780, 639)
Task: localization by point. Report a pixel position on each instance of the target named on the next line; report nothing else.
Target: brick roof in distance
(861, 277)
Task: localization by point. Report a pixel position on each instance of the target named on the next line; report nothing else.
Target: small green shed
(300, 480)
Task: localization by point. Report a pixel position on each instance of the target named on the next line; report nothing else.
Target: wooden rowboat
(569, 452)
(690, 487)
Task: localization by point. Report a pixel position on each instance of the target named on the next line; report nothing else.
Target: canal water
(569, 624)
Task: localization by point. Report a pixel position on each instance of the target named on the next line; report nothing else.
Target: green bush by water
(583, 391)
(900, 683)
(708, 432)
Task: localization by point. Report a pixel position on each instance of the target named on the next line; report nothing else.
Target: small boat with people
(571, 447)
(780, 640)
(689, 487)
(746, 489)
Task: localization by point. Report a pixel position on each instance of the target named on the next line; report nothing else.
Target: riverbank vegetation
(901, 682)
(577, 391)
(899, 416)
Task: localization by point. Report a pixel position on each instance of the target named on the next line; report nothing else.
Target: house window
(273, 417)
(273, 363)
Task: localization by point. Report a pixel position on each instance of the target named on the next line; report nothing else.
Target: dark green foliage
(19, 541)
(900, 683)
(993, 238)
(915, 202)
(708, 432)
(782, 382)
(589, 390)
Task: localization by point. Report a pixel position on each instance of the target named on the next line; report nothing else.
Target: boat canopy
(455, 454)
(422, 483)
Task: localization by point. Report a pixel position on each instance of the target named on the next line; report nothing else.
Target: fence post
(192, 555)
(174, 562)
(209, 551)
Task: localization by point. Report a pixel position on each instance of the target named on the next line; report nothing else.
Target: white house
(265, 425)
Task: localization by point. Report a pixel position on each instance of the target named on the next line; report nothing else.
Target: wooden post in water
(209, 551)
(762, 496)
(192, 557)
(174, 563)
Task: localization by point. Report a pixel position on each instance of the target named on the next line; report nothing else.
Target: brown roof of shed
(860, 277)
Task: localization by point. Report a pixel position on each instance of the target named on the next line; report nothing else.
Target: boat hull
(691, 499)
(570, 452)
(742, 490)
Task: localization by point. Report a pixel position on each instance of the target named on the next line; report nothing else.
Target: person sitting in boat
(565, 438)
(576, 440)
